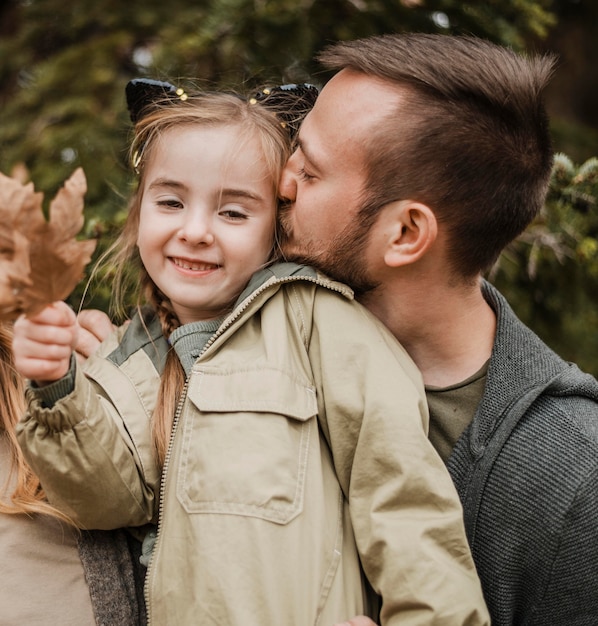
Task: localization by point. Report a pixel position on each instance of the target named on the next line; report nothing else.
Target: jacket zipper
(227, 323)
(149, 572)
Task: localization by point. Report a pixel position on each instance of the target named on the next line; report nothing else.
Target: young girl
(51, 572)
(287, 454)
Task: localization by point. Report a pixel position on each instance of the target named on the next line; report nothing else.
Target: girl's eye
(170, 203)
(233, 214)
(303, 175)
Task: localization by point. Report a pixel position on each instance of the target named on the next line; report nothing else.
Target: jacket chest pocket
(245, 443)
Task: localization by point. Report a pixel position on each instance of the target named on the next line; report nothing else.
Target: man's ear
(411, 230)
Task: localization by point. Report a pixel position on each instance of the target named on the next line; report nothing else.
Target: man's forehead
(322, 144)
(365, 95)
(344, 116)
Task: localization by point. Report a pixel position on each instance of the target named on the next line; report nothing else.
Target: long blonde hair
(27, 496)
(272, 142)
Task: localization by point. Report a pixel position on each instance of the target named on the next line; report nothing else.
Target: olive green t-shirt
(452, 409)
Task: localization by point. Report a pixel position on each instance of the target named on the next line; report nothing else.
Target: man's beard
(343, 260)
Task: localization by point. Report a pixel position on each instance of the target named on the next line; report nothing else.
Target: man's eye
(303, 175)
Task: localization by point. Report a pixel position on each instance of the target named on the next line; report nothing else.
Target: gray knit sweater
(527, 473)
(114, 576)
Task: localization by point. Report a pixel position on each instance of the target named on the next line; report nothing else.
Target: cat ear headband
(144, 94)
(291, 102)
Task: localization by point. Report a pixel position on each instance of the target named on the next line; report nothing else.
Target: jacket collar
(279, 273)
(145, 333)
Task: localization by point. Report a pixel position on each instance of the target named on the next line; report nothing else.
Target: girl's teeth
(192, 266)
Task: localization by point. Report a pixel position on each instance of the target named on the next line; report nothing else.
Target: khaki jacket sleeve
(405, 511)
(87, 458)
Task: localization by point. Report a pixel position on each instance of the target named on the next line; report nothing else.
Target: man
(422, 158)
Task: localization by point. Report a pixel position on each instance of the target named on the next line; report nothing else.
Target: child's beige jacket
(298, 464)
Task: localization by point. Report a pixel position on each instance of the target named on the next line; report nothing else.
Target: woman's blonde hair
(259, 128)
(27, 496)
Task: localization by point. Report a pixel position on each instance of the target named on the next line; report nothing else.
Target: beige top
(42, 576)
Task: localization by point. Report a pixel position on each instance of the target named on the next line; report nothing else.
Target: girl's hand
(43, 344)
(94, 327)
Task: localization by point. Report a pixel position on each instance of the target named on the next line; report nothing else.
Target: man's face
(325, 178)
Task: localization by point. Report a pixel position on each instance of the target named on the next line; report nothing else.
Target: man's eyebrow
(307, 154)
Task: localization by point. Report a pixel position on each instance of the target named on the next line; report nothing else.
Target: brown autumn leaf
(20, 206)
(42, 260)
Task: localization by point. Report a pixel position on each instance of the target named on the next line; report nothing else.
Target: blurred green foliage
(550, 273)
(64, 65)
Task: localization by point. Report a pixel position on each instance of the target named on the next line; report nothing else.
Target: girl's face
(207, 217)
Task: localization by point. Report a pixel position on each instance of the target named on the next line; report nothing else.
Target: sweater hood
(516, 376)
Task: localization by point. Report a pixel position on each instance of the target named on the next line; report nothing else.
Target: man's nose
(287, 188)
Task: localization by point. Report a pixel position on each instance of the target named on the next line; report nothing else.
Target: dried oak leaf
(56, 258)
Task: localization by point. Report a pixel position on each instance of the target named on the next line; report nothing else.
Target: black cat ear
(291, 102)
(143, 94)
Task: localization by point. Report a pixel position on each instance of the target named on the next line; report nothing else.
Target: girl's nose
(196, 230)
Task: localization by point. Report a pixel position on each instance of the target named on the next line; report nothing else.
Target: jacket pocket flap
(260, 390)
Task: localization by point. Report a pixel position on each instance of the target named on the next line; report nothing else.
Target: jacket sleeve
(405, 511)
(88, 460)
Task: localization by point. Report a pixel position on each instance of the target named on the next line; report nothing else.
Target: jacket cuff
(49, 395)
